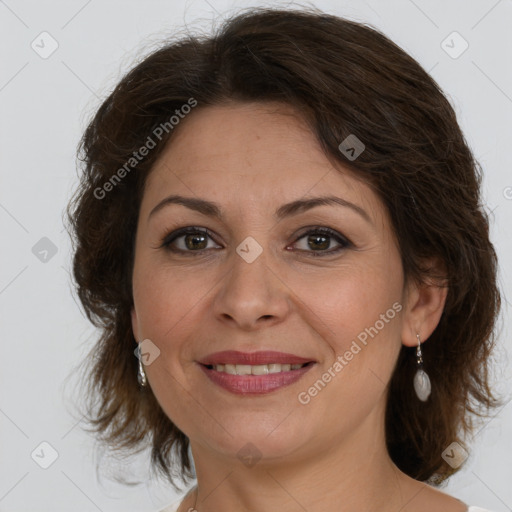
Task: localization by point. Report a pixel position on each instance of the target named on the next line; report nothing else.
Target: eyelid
(342, 240)
(186, 230)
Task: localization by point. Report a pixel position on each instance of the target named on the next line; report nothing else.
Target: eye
(189, 239)
(318, 241)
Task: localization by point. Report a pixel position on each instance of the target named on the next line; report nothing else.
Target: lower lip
(255, 384)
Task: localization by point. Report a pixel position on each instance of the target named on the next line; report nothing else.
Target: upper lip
(253, 358)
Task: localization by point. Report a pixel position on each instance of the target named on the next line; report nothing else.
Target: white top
(171, 508)
(174, 508)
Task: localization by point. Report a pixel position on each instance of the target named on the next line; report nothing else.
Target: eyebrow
(211, 209)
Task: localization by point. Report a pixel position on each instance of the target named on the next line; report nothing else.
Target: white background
(45, 104)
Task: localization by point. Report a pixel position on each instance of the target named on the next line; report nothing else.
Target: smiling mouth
(258, 369)
(255, 379)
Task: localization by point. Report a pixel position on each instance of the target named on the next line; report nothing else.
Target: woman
(283, 223)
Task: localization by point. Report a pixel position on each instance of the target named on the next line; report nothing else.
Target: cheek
(354, 379)
(166, 302)
(164, 296)
(361, 312)
(353, 298)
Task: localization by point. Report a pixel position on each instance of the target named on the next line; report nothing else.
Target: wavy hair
(342, 77)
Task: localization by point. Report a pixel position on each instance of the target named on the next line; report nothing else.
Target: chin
(266, 437)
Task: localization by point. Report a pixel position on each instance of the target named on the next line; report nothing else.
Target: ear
(424, 305)
(135, 324)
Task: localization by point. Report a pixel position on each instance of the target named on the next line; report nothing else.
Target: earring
(141, 376)
(421, 381)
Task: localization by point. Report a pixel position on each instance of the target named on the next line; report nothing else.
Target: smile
(257, 369)
(243, 379)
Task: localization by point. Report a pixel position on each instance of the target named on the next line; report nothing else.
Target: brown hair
(344, 78)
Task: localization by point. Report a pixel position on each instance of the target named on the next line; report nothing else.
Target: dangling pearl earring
(141, 376)
(421, 382)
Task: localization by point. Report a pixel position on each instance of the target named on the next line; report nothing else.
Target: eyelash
(317, 230)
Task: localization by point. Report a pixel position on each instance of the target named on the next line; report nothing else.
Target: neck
(347, 475)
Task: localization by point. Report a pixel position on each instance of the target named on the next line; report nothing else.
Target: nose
(251, 294)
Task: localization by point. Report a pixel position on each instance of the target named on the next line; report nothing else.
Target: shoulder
(422, 497)
(174, 508)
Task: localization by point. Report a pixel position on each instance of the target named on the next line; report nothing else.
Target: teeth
(243, 369)
(259, 369)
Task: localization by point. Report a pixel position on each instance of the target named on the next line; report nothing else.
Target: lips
(253, 358)
(254, 373)
(254, 384)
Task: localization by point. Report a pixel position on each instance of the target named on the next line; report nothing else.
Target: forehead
(252, 152)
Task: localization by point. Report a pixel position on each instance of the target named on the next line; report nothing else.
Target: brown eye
(320, 240)
(316, 242)
(195, 241)
(188, 239)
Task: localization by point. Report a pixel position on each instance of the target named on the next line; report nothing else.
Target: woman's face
(266, 278)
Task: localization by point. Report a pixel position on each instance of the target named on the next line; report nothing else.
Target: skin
(329, 454)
